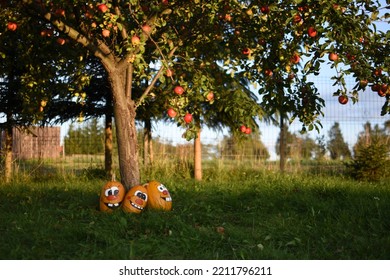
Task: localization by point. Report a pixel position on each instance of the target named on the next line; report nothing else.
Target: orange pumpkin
(159, 197)
(111, 196)
(135, 200)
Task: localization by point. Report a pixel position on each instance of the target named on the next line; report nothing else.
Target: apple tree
(127, 37)
(279, 45)
(28, 76)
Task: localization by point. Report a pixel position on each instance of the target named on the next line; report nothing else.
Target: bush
(370, 162)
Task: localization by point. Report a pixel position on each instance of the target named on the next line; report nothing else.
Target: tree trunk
(108, 147)
(282, 145)
(124, 114)
(8, 154)
(148, 153)
(197, 158)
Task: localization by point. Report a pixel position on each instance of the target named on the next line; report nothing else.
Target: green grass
(264, 216)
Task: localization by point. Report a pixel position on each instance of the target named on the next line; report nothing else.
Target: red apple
(135, 40)
(146, 28)
(165, 2)
(378, 72)
(243, 128)
(297, 18)
(179, 90)
(248, 130)
(171, 113)
(60, 12)
(295, 58)
(382, 90)
(343, 99)
(12, 26)
(102, 7)
(350, 57)
(106, 32)
(188, 118)
(375, 87)
(210, 96)
(381, 93)
(333, 56)
(61, 41)
(264, 9)
(363, 83)
(268, 72)
(246, 51)
(312, 32)
(169, 73)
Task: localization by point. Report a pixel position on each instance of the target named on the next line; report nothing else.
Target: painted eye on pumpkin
(141, 195)
(162, 188)
(112, 191)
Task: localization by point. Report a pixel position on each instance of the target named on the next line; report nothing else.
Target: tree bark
(148, 153)
(8, 153)
(108, 148)
(282, 145)
(197, 157)
(124, 114)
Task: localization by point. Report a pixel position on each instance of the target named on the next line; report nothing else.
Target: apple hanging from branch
(102, 7)
(179, 90)
(171, 113)
(12, 26)
(343, 99)
(188, 118)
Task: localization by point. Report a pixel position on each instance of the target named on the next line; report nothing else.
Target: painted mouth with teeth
(168, 199)
(136, 206)
(112, 205)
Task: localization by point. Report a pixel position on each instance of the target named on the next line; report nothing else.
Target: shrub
(370, 162)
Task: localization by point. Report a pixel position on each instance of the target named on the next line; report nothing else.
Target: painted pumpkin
(111, 196)
(159, 197)
(135, 200)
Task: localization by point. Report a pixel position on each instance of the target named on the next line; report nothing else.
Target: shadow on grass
(261, 218)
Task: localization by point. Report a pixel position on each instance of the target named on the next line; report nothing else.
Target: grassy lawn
(238, 215)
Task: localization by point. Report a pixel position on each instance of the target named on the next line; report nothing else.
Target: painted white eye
(112, 191)
(161, 188)
(141, 195)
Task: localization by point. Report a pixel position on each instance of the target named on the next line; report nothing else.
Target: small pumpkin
(135, 200)
(159, 197)
(111, 196)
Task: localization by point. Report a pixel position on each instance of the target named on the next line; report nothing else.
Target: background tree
(336, 145)
(288, 41)
(86, 139)
(298, 146)
(320, 148)
(28, 74)
(371, 154)
(239, 148)
(372, 134)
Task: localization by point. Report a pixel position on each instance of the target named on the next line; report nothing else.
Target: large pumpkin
(135, 200)
(159, 197)
(111, 196)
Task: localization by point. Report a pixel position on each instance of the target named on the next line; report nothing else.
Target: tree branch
(101, 51)
(156, 77)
